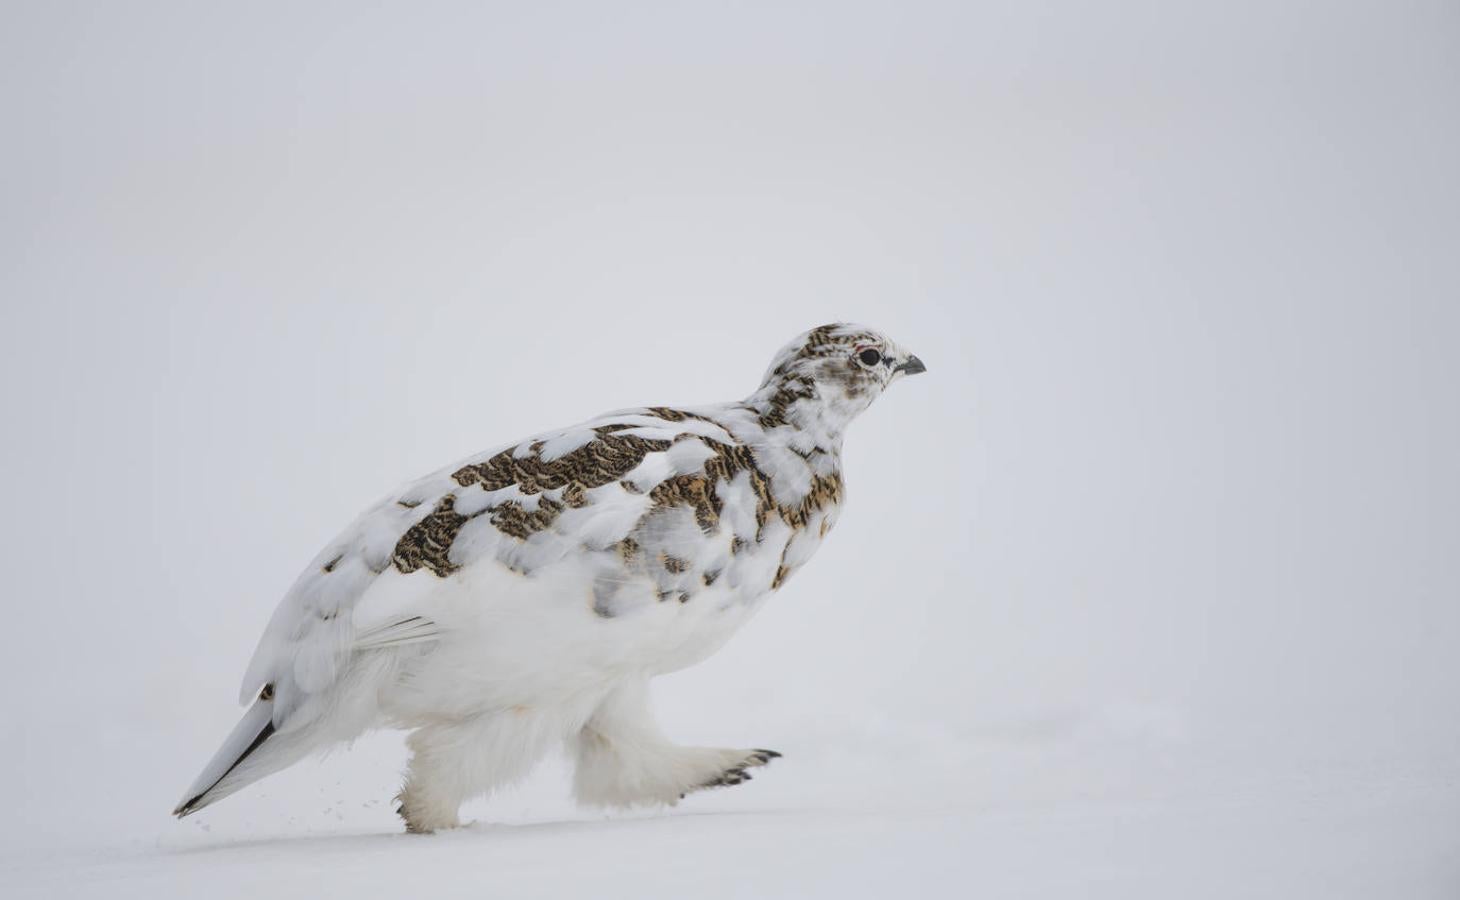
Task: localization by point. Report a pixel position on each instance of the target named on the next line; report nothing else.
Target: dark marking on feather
(669, 414)
(826, 490)
(732, 459)
(606, 458)
(781, 574)
(514, 519)
(696, 491)
(699, 490)
(783, 571)
(788, 391)
(427, 544)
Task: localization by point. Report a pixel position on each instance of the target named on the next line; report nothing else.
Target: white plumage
(525, 596)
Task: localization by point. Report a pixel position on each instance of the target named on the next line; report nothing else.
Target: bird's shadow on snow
(473, 833)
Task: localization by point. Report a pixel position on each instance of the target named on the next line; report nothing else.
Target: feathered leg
(623, 759)
(453, 762)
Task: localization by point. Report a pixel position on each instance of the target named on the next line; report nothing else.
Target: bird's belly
(512, 641)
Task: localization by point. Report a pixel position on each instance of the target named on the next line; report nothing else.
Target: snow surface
(1109, 809)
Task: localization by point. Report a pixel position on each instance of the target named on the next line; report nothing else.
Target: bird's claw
(737, 774)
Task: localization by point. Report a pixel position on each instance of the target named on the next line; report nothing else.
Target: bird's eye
(869, 357)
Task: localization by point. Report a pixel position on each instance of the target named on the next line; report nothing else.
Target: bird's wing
(579, 491)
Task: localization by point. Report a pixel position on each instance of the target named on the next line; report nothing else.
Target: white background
(1147, 588)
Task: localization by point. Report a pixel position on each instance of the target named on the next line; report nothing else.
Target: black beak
(911, 366)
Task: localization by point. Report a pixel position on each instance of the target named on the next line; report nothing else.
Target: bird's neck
(795, 410)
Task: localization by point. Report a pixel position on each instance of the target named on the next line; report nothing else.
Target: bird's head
(820, 381)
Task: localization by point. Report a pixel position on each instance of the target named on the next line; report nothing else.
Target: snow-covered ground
(1095, 809)
(1147, 589)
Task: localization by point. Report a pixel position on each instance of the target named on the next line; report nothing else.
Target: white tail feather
(307, 722)
(251, 751)
(414, 630)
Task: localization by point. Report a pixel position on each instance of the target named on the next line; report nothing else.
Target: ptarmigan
(525, 596)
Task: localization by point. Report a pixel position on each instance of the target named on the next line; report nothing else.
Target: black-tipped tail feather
(221, 776)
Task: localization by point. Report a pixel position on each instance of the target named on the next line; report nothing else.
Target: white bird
(526, 596)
